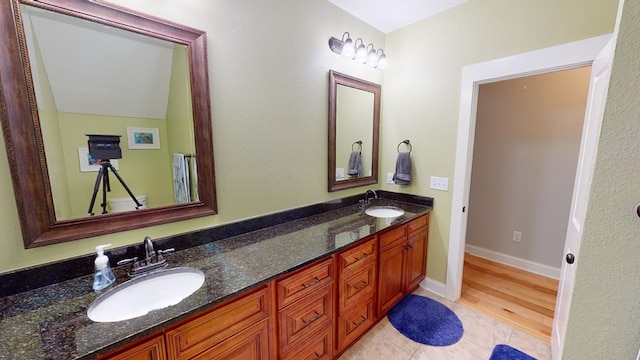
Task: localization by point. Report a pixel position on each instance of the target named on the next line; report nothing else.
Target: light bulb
(383, 63)
(372, 58)
(348, 49)
(361, 52)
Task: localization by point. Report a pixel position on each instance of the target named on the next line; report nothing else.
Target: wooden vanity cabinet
(237, 330)
(403, 262)
(152, 349)
(313, 313)
(357, 268)
(306, 312)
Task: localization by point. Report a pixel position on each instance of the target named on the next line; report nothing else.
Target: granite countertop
(50, 322)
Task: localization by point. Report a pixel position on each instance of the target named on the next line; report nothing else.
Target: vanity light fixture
(372, 58)
(348, 50)
(358, 52)
(361, 52)
(382, 60)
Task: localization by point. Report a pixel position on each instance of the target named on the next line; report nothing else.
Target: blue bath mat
(506, 352)
(426, 321)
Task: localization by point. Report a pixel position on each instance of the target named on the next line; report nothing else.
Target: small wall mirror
(74, 68)
(354, 121)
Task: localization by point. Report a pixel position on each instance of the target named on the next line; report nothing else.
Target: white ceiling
(94, 69)
(388, 16)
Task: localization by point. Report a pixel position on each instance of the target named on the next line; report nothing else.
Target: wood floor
(516, 297)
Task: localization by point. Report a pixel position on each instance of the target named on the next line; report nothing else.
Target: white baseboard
(434, 286)
(541, 269)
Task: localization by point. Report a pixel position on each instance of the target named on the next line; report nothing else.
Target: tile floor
(481, 334)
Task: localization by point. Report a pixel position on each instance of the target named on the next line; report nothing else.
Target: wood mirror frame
(336, 79)
(23, 138)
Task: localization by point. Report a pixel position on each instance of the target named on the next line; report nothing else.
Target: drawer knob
(362, 320)
(313, 282)
(311, 319)
(361, 286)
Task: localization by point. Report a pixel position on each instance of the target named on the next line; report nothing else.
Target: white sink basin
(140, 295)
(384, 211)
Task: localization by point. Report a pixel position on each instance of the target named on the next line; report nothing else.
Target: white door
(600, 73)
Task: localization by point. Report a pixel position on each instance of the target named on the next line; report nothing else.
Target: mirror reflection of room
(82, 87)
(354, 132)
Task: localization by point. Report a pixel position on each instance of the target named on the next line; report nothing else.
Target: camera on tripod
(105, 148)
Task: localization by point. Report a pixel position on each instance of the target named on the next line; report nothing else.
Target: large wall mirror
(70, 68)
(354, 121)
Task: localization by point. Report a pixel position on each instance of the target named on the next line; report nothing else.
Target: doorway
(526, 146)
(566, 56)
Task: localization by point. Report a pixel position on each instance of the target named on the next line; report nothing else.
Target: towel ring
(359, 142)
(407, 143)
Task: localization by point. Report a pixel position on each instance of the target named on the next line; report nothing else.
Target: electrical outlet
(439, 183)
(339, 173)
(517, 236)
(390, 178)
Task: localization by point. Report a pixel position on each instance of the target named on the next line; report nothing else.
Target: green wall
(269, 100)
(421, 90)
(268, 72)
(268, 64)
(144, 171)
(605, 308)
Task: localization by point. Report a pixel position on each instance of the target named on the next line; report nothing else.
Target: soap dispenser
(103, 276)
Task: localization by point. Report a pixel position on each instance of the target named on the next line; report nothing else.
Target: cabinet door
(319, 347)
(249, 344)
(355, 323)
(358, 256)
(149, 350)
(416, 260)
(208, 330)
(305, 317)
(304, 282)
(356, 286)
(391, 278)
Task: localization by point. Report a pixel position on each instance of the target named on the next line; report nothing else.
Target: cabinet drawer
(318, 347)
(418, 224)
(303, 318)
(392, 237)
(251, 343)
(356, 286)
(304, 282)
(149, 350)
(358, 256)
(190, 339)
(354, 323)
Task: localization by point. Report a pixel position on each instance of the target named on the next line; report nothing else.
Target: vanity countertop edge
(50, 322)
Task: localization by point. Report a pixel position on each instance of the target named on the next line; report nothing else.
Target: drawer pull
(408, 247)
(361, 286)
(312, 319)
(364, 255)
(313, 282)
(362, 320)
(318, 357)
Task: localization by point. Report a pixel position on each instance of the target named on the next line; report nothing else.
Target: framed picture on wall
(143, 138)
(88, 163)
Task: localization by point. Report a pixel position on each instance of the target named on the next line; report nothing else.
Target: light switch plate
(339, 173)
(439, 183)
(389, 178)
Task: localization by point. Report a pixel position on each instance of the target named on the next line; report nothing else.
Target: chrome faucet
(366, 196)
(152, 259)
(148, 248)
